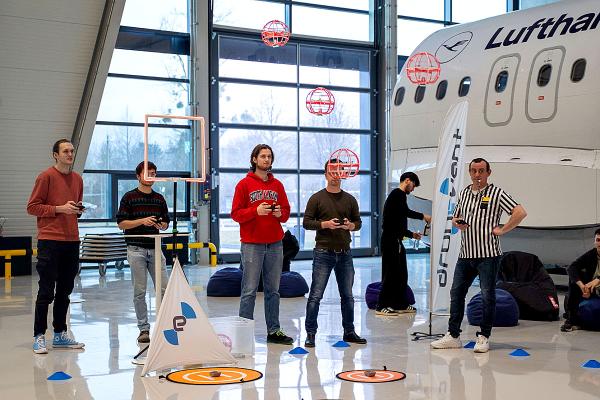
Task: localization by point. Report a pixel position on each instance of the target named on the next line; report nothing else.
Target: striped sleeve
(507, 203)
(457, 209)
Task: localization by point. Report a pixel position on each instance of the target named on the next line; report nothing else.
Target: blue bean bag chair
(292, 284)
(226, 282)
(589, 314)
(372, 295)
(507, 309)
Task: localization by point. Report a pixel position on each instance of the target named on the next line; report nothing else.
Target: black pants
(394, 275)
(57, 267)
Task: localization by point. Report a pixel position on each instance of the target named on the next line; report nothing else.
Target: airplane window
(464, 87)
(501, 81)
(578, 70)
(399, 96)
(544, 75)
(440, 93)
(419, 93)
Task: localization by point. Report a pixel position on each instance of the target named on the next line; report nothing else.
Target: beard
(267, 169)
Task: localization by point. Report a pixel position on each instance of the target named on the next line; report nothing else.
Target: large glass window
(252, 14)
(257, 104)
(430, 9)
(473, 10)
(148, 80)
(338, 19)
(273, 111)
(156, 14)
(121, 147)
(331, 66)
(331, 24)
(412, 33)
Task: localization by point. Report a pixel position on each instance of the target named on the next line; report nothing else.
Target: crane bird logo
(453, 46)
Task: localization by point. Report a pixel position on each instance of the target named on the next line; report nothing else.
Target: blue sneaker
(39, 344)
(63, 341)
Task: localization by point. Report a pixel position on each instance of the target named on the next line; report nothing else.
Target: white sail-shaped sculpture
(182, 334)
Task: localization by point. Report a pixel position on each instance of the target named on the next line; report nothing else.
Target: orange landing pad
(381, 376)
(202, 376)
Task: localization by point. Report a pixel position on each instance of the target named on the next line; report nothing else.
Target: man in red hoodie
(56, 202)
(260, 205)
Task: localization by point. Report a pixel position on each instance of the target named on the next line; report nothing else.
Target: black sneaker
(279, 337)
(568, 327)
(352, 337)
(310, 340)
(144, 337)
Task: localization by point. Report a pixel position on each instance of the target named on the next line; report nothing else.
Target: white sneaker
(447, 342)
(407, 310)
(482, 344)
(387, 311)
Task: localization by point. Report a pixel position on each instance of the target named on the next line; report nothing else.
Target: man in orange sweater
(56, 202)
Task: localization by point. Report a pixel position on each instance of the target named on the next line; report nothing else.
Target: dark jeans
(57, 267)
(324, 261)
(464, 274)
(394, 275)
(572, 302)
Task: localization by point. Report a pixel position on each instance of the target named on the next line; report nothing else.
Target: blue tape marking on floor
(591, 364)
(298, 350)
(59, 376)
(469, 345)
(341, 343)
(519, 353)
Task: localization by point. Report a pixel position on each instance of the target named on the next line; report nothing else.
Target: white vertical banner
(445, 239)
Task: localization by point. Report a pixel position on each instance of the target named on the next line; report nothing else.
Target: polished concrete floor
(105, 321)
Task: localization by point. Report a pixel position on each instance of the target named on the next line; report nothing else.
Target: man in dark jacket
(394, 274)
(584, 282)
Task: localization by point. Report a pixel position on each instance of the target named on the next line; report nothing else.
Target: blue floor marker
(519, 353)
(59, 376)
(469, 345)
(591, 364)
(298, 350)
(341, 343)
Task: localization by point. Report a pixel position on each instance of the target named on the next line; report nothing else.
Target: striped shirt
(135, 205)
(482, 211)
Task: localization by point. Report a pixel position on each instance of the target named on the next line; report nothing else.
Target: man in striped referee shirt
(477, 215)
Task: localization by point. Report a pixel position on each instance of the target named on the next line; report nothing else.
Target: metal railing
(9, 254)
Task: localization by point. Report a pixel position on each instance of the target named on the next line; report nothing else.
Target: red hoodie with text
(249, 193)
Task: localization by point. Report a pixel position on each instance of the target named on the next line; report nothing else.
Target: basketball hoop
(423, 68)
(320, 101)
(275, 33)
(343, 164)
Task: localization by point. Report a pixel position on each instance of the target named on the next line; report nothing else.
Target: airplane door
(500, 90)
(542, 89)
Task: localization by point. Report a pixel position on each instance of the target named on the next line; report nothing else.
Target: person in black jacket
(394, 274)
(584, 282)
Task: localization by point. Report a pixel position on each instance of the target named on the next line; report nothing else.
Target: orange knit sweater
(53, 188)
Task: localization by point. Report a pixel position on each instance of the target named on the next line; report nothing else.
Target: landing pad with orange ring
(381, 376)
(201, 376)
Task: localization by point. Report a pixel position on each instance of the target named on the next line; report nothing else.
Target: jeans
(268, 259)
(57, 267)
(464, 275)
(141, 261)
(324, 261)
